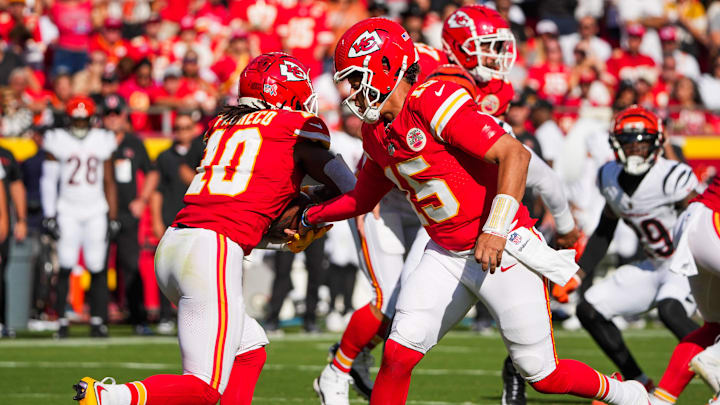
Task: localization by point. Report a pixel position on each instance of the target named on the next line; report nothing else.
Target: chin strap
(372, 114)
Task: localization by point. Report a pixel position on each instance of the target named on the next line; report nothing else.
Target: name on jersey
(263, 117)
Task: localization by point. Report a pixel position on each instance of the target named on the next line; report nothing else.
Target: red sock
(243, 377)
(393, 379)
(166, 389)
(360, 331)
(573, 377)
(677, 375)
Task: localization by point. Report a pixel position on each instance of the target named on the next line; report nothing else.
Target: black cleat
(63, 332)
(99, 331)
(513, 385)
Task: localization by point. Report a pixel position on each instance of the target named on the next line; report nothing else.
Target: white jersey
(650, 211)
(81, 189)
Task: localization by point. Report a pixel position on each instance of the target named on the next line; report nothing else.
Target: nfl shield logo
(515, 238)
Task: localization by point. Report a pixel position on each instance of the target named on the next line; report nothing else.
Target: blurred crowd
(160, 68)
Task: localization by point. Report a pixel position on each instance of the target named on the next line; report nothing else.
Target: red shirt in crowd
(624, 66)
(139, 101)
(31, 22)
(72, 19)
(303, 29)
(551, 81)
(114, 51)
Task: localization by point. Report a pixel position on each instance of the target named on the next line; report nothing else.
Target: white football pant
(88, 233)
(704, 242)
(438, 293)
(201, 272)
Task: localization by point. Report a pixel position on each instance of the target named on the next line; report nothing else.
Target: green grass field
(463, 369)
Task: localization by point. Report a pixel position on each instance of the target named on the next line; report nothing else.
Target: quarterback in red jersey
(462, 173)
(697, 236)
(256, 155)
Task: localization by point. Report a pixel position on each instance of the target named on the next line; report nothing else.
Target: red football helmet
(277, 80)
(382, 51)
(637, 124)
(80, 109)
(479, 39)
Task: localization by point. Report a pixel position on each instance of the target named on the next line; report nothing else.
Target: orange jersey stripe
(222, 313)
(716, 223)
(552, 333)
(375, 284)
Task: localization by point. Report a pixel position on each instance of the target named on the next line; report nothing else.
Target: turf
(463, 369)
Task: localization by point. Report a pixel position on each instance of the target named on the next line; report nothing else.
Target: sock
(610, 340)
(61, 291)
(361, 330)
(163, 389)
(99, 296)
(243, 377)
(393, 379)
(575, 378)
(677, 375)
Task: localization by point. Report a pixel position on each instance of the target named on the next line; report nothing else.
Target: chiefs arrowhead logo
(365, 44)
(459, 19)
(292, 71)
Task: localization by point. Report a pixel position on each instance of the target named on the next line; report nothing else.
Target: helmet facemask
(371, 94)
(498, 48)
(636, 164)
(79, 127)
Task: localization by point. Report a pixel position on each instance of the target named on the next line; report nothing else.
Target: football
(288, 219)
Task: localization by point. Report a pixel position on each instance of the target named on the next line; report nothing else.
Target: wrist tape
(502, 214)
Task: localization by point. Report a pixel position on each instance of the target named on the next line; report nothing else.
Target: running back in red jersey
(249, 174)
(711, 196)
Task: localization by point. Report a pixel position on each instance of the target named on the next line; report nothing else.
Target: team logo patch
(515, 238)
(292, 71)
(365, 44)
(270, 89)
(416, 139)
(459, 19)
(490, 104)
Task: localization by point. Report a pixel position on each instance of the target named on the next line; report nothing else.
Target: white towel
(557, 265)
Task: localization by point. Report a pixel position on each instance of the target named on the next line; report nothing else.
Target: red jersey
(248, 174)
(303, 29)
(114, 51)
(711, 196)
(550, 81)
(623, 66)
(429, 59)
(433, 150)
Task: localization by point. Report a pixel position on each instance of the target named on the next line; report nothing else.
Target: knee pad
(412, 334)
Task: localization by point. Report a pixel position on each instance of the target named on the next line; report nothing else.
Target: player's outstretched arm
(512, 160)
(598, 243)
(325, 167)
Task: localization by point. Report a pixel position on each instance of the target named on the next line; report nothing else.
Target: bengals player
(256, 156)
(462, 173)
(696, 238)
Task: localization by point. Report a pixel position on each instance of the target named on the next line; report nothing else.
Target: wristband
(502, 214)
(303, 218)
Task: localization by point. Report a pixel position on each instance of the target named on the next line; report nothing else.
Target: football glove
(299, 243)
(114, 227)
(562, 293)
(51, 228)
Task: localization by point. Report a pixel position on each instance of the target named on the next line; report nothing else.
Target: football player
(78, 199)
(647, 192)
(395, 241)
(256, 156)
(697, 242)
(462, 173)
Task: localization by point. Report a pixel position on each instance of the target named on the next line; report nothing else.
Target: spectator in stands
(659, 96)
(129, 159)
(17, 118)
(110, 41)
(16, 16)
(89, 80)
(137, 91)
(203, 92)
(305, 33)
(687, 113)
(550, 79)
(561, 13)
(61, 91)
(709, 85)
(685, 64)
(648, 14)
(72, 18)
(413, 20)
(625, 96)
(547, 132)
(629, 64)
(691, 21)
(228, 68)
(189, 40)
(9, 61)
(172, 95)
(595, 47)
(513, 14)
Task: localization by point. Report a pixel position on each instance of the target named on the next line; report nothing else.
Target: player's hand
(488, 251)
(50, 227)
(137, 207)
(562, 293)
(114, 227)
(158, 228)
(376, 211)
(298, 242)
(568, 240)
(360, 222)
(20, 232)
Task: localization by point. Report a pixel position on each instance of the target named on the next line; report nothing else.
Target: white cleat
(332, 387)
(636, 393)
(714, 400)
(707, 366)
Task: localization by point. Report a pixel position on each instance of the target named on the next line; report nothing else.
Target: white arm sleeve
(49, 187)
(543, 180)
